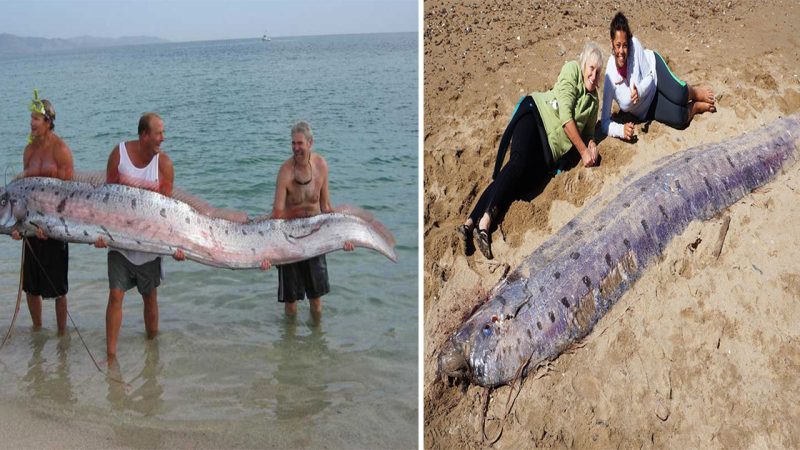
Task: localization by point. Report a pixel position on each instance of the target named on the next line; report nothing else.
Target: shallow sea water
(227, 364)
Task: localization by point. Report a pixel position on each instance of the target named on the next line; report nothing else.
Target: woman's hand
(588, 152)
(265, 265)
(629, 131)
(591, 155)
(634, 94)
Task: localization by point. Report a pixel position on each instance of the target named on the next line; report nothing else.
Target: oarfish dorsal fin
(98, 178)
(369, 218)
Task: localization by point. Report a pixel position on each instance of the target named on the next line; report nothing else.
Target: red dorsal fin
(98, 178)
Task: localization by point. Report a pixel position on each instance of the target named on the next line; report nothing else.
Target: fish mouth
(452, 366)
(7, 219)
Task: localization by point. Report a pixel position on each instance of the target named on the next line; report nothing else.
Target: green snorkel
(38, 107)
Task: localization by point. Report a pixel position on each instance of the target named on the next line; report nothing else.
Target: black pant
(46, 267)
(526, 165)
(670, 105)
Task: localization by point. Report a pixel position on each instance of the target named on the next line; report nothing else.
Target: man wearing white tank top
(142, 164)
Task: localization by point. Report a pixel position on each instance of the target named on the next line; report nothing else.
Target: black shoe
(465, 231)
(484, 243)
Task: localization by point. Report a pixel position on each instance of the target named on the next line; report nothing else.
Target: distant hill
(12, 44)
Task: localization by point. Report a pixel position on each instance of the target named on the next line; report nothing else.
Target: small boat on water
(265, 37)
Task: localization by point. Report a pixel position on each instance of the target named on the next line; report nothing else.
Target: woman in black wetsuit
(544, 127)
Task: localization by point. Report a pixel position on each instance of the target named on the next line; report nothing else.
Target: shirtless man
(142, 164)
(302, 191)
(46, 260)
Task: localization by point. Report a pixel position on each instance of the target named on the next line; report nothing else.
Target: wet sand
(701, 352)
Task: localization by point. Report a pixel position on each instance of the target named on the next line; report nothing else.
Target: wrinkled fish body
(557, 295)
(137, 219)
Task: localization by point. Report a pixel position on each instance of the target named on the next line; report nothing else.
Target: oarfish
(137, 219)
(557, 295)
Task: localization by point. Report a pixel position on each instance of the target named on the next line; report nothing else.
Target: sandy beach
(701, 352)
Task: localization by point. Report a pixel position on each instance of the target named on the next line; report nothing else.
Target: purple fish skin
(557, 295)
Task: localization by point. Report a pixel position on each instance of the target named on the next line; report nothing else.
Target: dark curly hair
(620, 23)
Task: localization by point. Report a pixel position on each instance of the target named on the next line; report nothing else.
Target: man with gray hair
(302, 191)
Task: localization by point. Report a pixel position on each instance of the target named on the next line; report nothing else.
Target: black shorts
(308, 278)
(45, 268)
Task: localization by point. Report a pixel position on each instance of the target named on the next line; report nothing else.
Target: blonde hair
(591, 54)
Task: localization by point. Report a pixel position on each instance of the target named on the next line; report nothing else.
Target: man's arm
(324, 193)
(112, 168)
(64, 162)
(325, 199)
(279, 204)
(166, 175)
(26, 157)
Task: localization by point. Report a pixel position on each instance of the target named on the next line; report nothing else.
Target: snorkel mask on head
(37, 106)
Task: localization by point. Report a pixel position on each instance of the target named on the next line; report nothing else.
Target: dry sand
(701, 352)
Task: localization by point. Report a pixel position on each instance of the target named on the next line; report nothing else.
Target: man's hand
(265, 265)
(178, 255)
(348, 246)
(40, 234)
(634, 94)
(15, 235)
(629, 131)
(100, 242)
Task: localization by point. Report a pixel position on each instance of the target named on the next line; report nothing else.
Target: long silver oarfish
(137, 219)
(557, 295)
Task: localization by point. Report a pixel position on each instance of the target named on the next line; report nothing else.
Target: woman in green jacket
(544, 127)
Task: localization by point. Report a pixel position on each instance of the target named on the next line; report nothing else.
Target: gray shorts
(123, 274)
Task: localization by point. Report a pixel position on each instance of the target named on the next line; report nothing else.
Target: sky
(196, 20)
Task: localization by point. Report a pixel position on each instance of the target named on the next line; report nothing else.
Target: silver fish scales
(557, 295)
(138, 219)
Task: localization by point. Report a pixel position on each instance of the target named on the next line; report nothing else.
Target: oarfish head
(452, 364)
(12, 210)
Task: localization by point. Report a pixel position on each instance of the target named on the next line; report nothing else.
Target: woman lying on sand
(544, 127)
(642, 84)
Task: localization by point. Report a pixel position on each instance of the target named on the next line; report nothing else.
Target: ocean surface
(227, 366)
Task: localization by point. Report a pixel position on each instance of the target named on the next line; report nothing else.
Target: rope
(19, 299)
(74, 325)
(509, 402)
